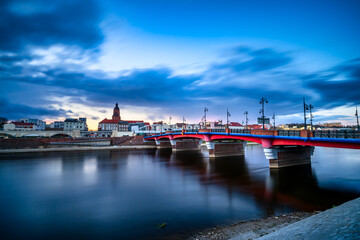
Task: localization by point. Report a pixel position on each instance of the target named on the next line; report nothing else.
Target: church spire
(116, 114)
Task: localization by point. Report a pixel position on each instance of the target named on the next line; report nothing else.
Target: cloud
(15, 111)
(44, 23)
(238, 82)
(338, 85)
(245, 59)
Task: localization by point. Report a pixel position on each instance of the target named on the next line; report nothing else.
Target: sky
(77, 58)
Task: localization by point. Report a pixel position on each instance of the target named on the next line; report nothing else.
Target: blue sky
(157, 59)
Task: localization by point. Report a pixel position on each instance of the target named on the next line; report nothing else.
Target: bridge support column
(185, 144)
(163, 144)
(225, 149)
(288, 156)
(76, 134)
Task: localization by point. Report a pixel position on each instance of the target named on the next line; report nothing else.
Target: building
(57, 124)
(74, 124)
(38, 124)
(123, 126)
(115, 123)
(235, 125)
(9, 126)
(334, 124)
(20, 126)
(108, 125)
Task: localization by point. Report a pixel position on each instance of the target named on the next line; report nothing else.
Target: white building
(38, 124)
(57, 124)
(74, 124)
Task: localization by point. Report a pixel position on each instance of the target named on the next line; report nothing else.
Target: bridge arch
(3, 135)
(61, 135)
(31, 135)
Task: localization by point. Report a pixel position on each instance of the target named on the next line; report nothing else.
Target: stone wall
(21, 143)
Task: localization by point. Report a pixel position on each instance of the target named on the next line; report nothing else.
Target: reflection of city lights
(52, 168)
(90, 170)
(269, 184)
(90, 166)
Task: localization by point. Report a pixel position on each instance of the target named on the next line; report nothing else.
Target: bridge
(282, 148)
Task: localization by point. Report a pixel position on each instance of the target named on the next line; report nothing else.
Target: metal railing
(289, 133)
(347, 134)
(343, 134)
(243, 131)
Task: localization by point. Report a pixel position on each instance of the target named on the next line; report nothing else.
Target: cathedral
(115, 123)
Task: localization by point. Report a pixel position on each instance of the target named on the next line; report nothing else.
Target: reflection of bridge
(295, 187)
(281, 148)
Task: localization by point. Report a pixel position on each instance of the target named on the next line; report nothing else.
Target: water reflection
(127, 194)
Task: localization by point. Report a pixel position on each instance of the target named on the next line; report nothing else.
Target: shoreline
(66, 149)
(251, 229)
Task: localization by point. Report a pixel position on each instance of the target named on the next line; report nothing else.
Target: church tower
(116, 114)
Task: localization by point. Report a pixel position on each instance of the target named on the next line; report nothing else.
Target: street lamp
(357, 119)
(246, 119)
(262, 102)
(205, 110)
(274, 121)
(227, 117)
(306, 108)
(311, 116)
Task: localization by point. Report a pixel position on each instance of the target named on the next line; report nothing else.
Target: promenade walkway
(342, 222)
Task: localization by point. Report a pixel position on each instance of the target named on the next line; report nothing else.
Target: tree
(3, 121)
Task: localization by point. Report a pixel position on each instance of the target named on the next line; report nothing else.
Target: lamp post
(262, 102)
(357, 119)
(311, 116)
(246, 119)
(205, 110)
(227, 117)
(306, 108)
(274, 120)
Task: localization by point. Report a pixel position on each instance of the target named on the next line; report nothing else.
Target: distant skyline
(77, 58)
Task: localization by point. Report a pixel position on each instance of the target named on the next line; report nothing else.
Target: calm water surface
(129, 194)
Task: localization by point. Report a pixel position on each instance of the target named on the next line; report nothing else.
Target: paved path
(342, 222)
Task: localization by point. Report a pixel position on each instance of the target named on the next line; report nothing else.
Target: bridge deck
(269, 138)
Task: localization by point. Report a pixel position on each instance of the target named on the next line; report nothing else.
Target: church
(115, 123)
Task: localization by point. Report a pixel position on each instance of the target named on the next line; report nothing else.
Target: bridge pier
(185, 144)
(163, 144)
(225, 149)
(286, 156)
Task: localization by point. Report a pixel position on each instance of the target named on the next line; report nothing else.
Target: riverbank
(252, 229)
(66, 149)
(339, 222)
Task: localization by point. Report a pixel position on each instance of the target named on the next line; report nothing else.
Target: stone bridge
(31, 133)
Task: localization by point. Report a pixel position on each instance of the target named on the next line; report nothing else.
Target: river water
(131, 194)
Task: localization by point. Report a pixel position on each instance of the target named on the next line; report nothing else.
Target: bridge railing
(243, 131)
(345, 134)
(289, 133)
(352, 134)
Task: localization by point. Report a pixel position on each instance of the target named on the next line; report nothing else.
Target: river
(160, 194)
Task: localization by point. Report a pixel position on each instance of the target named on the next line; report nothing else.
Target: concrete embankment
(66, 149)
(342, 222)
(65, 144)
